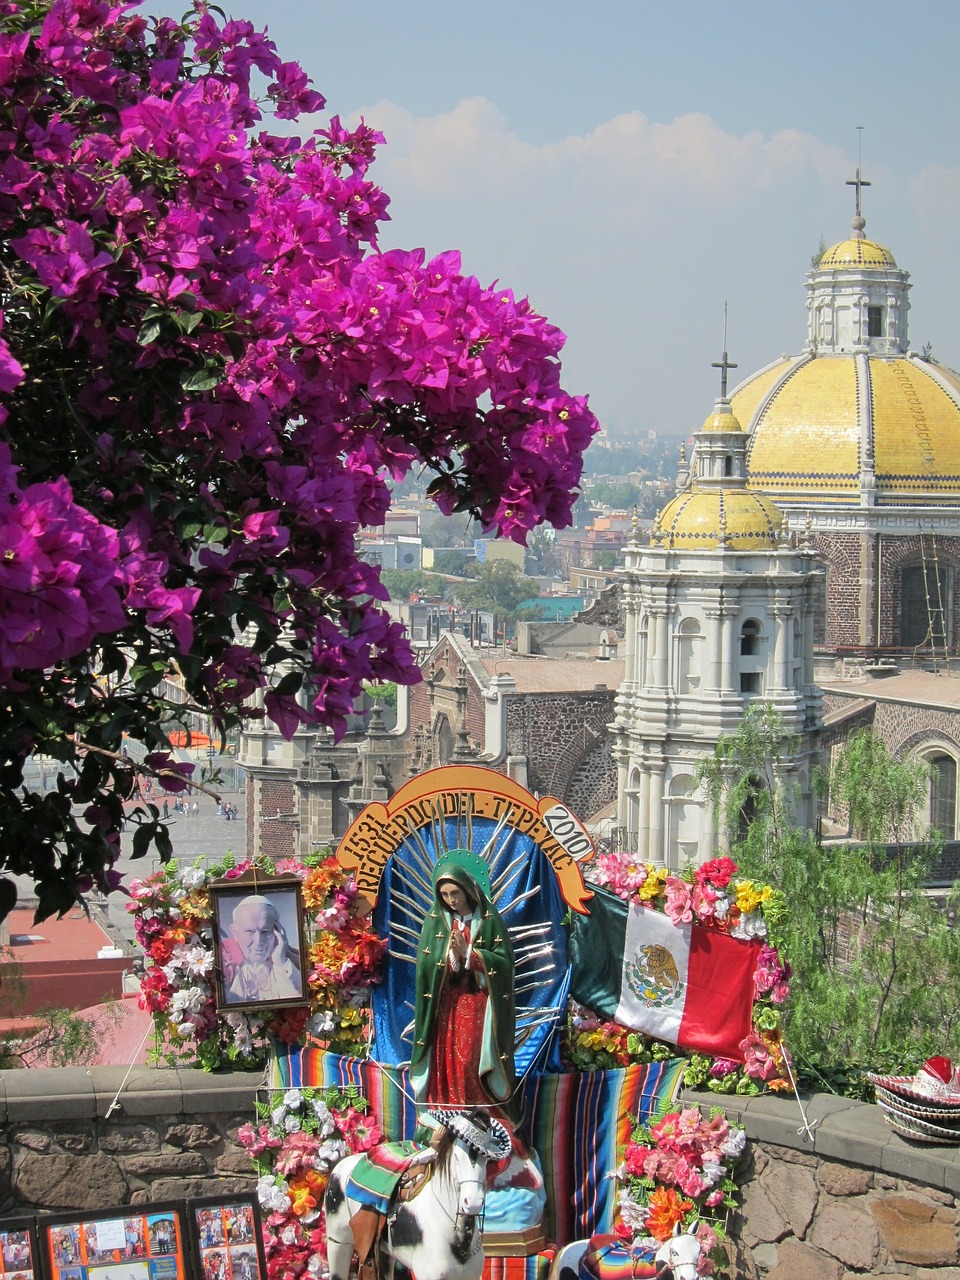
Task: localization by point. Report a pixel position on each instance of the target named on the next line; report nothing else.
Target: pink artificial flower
(703, 899)
(678, 905)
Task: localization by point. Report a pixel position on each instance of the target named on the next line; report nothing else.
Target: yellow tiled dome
(705, 517)
(856, 253)
(829, 427)
(719, 420)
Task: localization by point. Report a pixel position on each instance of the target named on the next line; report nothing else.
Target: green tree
(499, 587)
(876, 961)
(457, 563)
(403, 583)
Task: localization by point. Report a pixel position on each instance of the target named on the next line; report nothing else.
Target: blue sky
(631, 166)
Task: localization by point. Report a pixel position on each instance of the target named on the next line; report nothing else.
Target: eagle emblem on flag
(653, 977)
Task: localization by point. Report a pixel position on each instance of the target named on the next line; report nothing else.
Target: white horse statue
(677, 1257)
(436, 1234)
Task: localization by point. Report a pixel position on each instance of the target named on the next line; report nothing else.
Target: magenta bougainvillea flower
(209, 377)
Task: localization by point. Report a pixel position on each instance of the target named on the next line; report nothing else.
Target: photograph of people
(258, 948)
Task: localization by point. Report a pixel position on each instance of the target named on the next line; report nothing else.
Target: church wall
(842, 554)
(556, 732)
(267, 795)
(900, 552)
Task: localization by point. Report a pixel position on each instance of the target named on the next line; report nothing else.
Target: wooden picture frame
(259, 944)
(125, 1242)
(19, 1249)
(226, 1236)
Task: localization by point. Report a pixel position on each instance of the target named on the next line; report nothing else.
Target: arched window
(943, 794)
(925, 592)
(750, 638)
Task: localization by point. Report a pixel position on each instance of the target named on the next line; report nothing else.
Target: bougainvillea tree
(209, 373)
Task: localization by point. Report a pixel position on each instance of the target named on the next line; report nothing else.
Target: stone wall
(855, 1200)
(174, 1135)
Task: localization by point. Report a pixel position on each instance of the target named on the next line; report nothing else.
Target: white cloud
(632, 236)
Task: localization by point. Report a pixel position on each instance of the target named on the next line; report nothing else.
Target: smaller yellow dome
(745, 521)
(856, 253)
(721, 418)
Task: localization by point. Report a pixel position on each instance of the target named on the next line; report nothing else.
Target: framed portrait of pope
(259, 942)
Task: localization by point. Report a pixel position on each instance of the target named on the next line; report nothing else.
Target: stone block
(148, 1091)
(50, 1093)
(192, 1136)
(846, 1231)
(775, 1120)
(166, 1162)
(32, 1139)
(843, 1179)
(937, 1273)
(915, 1163)
(76, 1143)
(238, 1162)
(762, 1220)
(190, 1188)
(917, 1231)
(855, 1135)
(793, 1190)
(128, 1138)
(798, 1261)
(206, 1092)
(69, 1182)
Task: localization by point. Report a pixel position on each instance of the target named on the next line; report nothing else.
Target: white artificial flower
(711, 1172)
(330, 1151)
(277, 1115)
(631, 1214)
(736, 1141)
(188, 1000)
(321, 1023)
(292, 1124)
(750, 925)
(192, 877)
(272, 1194)
(289, 1234)
(292, 1099)
(721, 906)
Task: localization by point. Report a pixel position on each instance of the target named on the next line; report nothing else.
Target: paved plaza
(206, 836)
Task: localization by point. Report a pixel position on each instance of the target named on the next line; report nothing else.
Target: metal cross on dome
(724, 364)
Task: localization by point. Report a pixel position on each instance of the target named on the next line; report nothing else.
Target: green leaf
(201, 379)
(150, 332)
(8, 897)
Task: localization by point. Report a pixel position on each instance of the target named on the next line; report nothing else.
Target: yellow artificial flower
(749, 896)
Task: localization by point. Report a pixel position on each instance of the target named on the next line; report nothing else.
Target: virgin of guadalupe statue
(465, 1015)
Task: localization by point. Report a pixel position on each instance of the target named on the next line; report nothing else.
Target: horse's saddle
(382, 1178)
(610, 1258)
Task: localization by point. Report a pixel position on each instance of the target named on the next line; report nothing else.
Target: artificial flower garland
(296, 1140)
(709, 895)
(173, 918)
(677, 1171)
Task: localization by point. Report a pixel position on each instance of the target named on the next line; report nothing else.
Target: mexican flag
(686, 984)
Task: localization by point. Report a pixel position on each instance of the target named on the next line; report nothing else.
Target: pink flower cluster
(772, 978)
(688, 1153)
(682, 1152)
(235, 371)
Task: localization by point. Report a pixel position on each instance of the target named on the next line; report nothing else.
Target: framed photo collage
(212, 1238)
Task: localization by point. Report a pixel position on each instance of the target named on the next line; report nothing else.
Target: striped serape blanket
(579, 1121)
